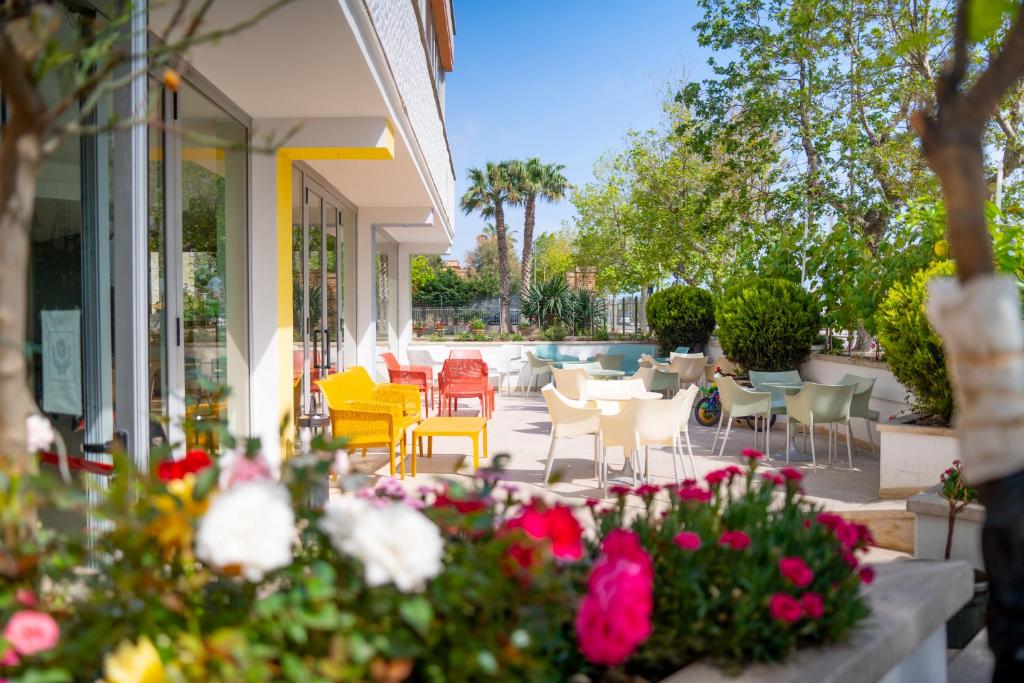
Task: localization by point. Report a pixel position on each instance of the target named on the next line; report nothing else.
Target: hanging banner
(62, 362)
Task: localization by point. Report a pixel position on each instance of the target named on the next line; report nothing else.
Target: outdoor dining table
(794, 454)
(606, 374)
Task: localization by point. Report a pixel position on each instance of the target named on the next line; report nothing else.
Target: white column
(403, 320)
(264, 364)
(365, 293)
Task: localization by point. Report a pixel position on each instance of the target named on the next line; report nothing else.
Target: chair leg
(647, 463)
(676, 455)
(849, 441)
(551, 458)
(814, 457)
(721, 417)
(689, 450)
(767, 432)
(788, 423)
(871, 437)
(725, 437)
(597, 470)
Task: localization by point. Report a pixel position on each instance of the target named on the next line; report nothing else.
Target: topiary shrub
(681, 316)
(912, 348)
(767, 323)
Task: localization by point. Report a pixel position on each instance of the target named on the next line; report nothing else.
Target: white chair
(497, 360)
(571, 382)
(689, 367)
(514, 367)
(658, 423)
(537, 366)
(570, 418)
(433, 355)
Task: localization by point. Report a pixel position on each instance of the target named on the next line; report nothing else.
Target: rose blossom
(29, 632)
(737, 540)
(249, 526)
(814, 606)
(557, 524)
(237, 467)
(687, 540)
(38, 433)
(395, 543)
(785, 608)
(796, 571)
(172, 470)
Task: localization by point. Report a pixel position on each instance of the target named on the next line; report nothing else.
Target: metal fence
(453, 318)
(626, 314)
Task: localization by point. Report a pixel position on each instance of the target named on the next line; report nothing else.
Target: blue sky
(562, 80)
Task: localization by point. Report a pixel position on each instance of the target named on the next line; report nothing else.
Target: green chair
(610, 361)
(682, 349)
(860, 406)
(760, 379)
(657, 380)
(538, 368)
(821, 404)
(739, 402)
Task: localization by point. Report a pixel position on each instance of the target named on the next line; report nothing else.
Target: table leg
(413, 439)
(430, 447)
(402, 453)
(485, 441)
(476, 452)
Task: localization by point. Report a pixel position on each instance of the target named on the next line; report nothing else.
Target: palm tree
(533, 180)
(488, 192)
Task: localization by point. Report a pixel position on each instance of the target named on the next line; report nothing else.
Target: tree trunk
(503, 266)
(19, 167)
(530, 216)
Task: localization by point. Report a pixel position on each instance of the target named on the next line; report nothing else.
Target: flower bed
(211, 570)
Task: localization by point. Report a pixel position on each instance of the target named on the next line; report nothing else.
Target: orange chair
(420, 376)
(466, 378)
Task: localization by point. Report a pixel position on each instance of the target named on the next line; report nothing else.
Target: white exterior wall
(398, 29)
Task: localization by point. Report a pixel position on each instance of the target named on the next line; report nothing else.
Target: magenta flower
(737, 540)
(814, 606)
(867, 574)
(687, 540)
(753, 454)
(29, 632)
(796, 571)
(694, 493)
(791, 474)
(785, 608)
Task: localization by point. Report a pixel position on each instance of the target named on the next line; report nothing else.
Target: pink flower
(10, 658)
(737, 540)
(645, 490)
(830, 520)
(796, 571)
(847, 535)
(694, 493)
(867, 574)
(687, 540)
(592, 502)
(614, 616)
(620, 490)
(773, 479)
(556, 524)
(716, 477)
(25, 597)
(791, 474)
(753, 454)
(785, 608)
(733, 471)
(236, 467)
(814, 606)
(29, 632)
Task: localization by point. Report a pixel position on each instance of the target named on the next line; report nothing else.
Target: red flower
(462, 505)
(785, 608)
(645, 490)
(867, 574)
(687, 540)
(620, 490)
(773, 479)
(593, 502)
(847, 535)
(791, 474)
(693, 493)
(814, 606)
(796, 571)
(830, 520)
(620, 543)
(556, 524)
(733, 471)
(194, 461)
(522, 554)
(753, 454)
(737, 540)
(716, 477)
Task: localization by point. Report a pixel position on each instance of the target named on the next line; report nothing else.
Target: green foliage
(912, 349)
(681, 316)
(601, 334)
(767, 324)
(549, 302)
(554, 333)
(553, 254)
(588, 310)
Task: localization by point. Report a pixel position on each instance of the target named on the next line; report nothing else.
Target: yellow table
(472, 427)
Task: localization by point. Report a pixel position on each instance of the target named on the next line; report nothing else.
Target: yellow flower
(138, 663)
(173, 528)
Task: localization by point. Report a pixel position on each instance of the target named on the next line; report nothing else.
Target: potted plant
(476, 325)
(966, 623)
(419, 327)
(439, 327)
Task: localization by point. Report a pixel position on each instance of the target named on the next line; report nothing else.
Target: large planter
(904, 639)
(932, 513)
(912, 457)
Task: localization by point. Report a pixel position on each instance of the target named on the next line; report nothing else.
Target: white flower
(341, 465)
(39, 433)
(249, 526)
(395, 543)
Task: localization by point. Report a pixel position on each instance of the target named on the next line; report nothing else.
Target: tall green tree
(488, 192)
(533, 180)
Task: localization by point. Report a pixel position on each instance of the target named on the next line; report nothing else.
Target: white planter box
(932, 513)
(913, 457)
(903, 640)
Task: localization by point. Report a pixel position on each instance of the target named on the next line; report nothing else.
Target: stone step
(890, 523)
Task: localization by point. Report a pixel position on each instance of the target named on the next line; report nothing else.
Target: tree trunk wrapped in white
(983, 339)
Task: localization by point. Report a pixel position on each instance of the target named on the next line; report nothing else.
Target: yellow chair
(355, 384)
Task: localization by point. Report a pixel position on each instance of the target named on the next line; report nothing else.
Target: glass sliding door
(331, 288)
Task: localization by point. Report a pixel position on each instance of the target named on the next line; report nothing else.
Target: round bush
(767, 324)
(912, 348)
(681, 316)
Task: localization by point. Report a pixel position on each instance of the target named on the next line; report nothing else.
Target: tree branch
(1003, 71)
(948, 85)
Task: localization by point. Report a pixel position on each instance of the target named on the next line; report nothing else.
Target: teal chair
(610, 361)
(760, 379)
(682, 349)
(822, 404)
(860, 406)
(739, 402)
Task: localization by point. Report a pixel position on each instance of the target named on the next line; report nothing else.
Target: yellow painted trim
(285, 319)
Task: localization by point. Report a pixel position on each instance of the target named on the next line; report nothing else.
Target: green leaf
(205, 481)
(418, 613)
(985, 16)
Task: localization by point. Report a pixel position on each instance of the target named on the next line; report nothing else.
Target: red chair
(465, 378)
(465, 354)
(421, 376)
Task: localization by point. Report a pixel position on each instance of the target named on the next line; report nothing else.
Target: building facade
(256, 235)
